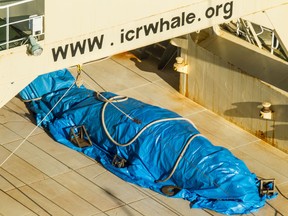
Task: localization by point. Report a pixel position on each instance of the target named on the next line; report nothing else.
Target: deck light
(33, 47)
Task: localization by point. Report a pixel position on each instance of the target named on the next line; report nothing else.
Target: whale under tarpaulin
(143, 144)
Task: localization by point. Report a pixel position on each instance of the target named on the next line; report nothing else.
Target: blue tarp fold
(206, 175)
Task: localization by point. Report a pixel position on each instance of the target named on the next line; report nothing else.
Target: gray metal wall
(230, 92)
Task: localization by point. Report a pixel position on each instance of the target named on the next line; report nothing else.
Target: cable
(13, 152)
(104, 99)
(281, 192)
(92, 80)
(112, 100)
(276, 211)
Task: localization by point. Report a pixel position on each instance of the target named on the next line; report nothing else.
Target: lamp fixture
(33, 47)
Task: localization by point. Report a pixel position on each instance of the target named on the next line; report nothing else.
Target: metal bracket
(79, 136)
(267, 187)
(170, 190)
(119, 162)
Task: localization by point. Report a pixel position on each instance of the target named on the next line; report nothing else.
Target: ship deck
(43, 177)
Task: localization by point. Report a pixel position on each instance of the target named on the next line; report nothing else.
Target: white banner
(152, 29)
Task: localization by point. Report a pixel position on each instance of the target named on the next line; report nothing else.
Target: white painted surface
(278, 17)
(117, 28)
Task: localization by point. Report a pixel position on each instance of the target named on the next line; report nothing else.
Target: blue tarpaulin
(146, 145)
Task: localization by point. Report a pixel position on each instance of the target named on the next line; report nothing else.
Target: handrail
(8, 24)
(5, 6)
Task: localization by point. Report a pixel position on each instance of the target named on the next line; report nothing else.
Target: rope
(121, 99)
(111, 101)
(33, 99)
(13, 152)
(180, 157)
(101, 97)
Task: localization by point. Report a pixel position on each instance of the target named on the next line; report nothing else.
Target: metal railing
(13, 36)
(265, 38)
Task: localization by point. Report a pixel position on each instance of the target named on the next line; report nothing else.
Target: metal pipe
(7, 27)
